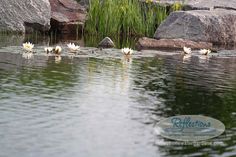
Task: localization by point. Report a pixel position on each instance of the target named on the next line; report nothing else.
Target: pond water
(105, 105)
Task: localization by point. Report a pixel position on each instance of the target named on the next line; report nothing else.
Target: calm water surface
(88, 106)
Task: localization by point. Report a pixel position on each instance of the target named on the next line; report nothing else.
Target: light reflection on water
(108, 107)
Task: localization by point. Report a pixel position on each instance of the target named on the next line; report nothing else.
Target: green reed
(124, 17)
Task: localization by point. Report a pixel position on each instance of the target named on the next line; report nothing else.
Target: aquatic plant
(187, 50)
(125, 17)
(57, 50)
(48, 49)
(28, 46)
(205, 51)
(127, 51)
(72, 47)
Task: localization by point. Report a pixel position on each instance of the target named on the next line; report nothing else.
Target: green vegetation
(125, 17)
(177, 6)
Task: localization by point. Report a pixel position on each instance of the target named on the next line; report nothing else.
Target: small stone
(106, 43)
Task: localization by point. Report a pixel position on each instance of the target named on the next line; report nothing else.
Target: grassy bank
(125, 17)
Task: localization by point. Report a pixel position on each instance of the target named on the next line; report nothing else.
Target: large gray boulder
(217, 26)
(25, 15)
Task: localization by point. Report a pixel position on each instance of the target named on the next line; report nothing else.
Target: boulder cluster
(27, 16)
(202, 22)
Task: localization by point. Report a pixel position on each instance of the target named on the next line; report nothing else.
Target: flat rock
(217, 26)
(170, 44)
(68, 16)
(106, 43)
(25, 15)
(212, 4)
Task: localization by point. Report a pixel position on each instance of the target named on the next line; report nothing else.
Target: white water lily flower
(73, 47)
(48, 49)
(57, 50)
(204, 51)
(127, 51)
(187, 50)
(28, 46)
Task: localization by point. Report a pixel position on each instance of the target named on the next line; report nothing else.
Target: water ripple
(103, 105)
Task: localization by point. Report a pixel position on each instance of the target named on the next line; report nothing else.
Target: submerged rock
(106, 43)
(68, 16)
(217, 27)
(24, 15)
(167, 44)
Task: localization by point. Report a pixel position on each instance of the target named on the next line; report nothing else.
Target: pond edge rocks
(68, 16)
(28, 16)
(25, 15)
(212, 22)
(170, 44)
(217, 26)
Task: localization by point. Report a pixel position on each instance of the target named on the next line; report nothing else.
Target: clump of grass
(112, 17)
(125, 17)
(153, 15)
(177, 6)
